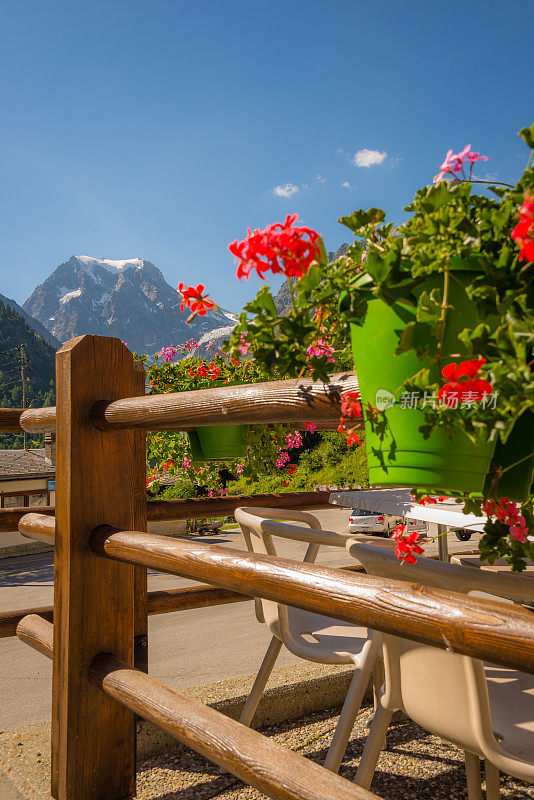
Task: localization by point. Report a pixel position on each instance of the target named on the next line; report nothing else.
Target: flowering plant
(449, 222)
(184, 368)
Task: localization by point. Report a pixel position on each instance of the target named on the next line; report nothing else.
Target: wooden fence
(102, 551)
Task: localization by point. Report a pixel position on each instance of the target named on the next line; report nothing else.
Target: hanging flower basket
(397, 452)
(217, 442)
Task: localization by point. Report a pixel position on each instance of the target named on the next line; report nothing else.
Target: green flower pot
(516, 482)
(217, 442)
(397, 453)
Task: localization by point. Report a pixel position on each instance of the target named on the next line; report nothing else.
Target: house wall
(25, 492)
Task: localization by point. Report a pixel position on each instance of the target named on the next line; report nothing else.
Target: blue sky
(160, 129)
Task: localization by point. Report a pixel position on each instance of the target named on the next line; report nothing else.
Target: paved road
(187, 649)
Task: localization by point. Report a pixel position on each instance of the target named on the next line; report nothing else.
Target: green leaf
(310, 280)
(527, 134)
(360, 219)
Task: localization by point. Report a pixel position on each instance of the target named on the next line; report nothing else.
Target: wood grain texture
(39, 420)
(198, 508)
(10, 517)
(9, 620)
(483, 629)
(293, 400)
(165, 510)
(258, 761)
(41, 527)
(140, 513)
(10, 420)
(38, 632)
(97, 479)
(35, 421)
(275, 401)
(163, 601)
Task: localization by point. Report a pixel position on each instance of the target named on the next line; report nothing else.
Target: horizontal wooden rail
(275, 401)
(163, 601)
(10, 517)
(43, 420)
(252, 403)
(252, 757)
(10, 420)
(166, 510)
(482, 629)
(197, 508)
(38, 526)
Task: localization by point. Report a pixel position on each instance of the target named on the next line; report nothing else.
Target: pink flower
(517, 533)
(310, 426)
(282, 459)
(239, 468)
(321, 348)
(186, 462)
(293, 440)
(454, 161)
(507, 513)
(243, 345)
(167, 353)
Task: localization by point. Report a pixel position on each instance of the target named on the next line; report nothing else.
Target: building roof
(25, 464)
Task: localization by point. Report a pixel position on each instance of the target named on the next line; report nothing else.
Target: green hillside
(40, 370)
(327, 461)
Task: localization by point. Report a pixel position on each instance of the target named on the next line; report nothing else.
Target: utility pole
(23, 362)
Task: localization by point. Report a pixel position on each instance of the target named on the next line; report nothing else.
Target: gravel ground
(414, 766)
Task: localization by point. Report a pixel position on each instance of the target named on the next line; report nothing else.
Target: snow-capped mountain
(129, 299)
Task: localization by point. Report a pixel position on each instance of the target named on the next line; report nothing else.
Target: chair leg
(351, 706)
(373, 745)
(493, 783)
(472, 773)
(378, 680)
(261, 680)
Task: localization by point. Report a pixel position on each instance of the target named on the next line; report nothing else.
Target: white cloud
(368, 158)
(320, 178)
(346, 185)
(285, 190)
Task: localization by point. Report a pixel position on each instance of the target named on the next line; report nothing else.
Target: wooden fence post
(99, 478)
(140, 578)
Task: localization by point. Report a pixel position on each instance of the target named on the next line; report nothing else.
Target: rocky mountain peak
(126, 298)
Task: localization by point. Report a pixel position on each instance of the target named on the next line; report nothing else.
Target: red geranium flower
(279, 248)
(214, 371)
(523, 233)
(353, 438)
(471, 388)
(194, 299)
(350, 404)
(406, 545)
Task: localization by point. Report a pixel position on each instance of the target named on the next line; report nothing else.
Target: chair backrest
(259, 526)
(442, 691)
(454, 577)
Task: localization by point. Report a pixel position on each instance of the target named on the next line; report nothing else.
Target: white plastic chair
(486, 710)
(311, 636)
